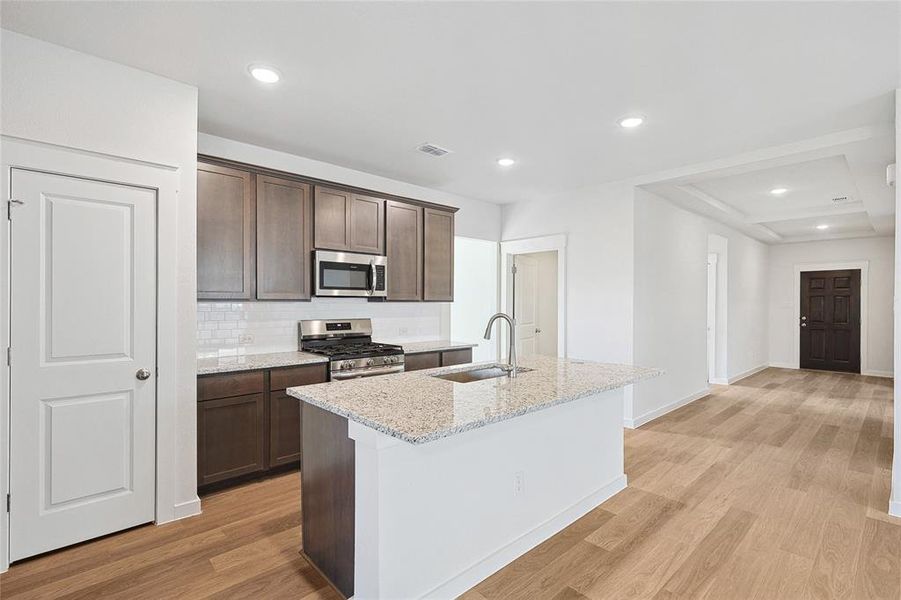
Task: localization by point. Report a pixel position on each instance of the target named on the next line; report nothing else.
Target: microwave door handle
(372, 273)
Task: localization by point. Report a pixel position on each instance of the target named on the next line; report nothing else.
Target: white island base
(432, 520)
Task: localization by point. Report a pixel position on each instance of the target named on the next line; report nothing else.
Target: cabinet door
(231, 437)
(331, 219)
(367, 224)
(438, 255)
(403, 246)
(284, 239)
(423, 360)
(284, 429)
(226, 231)
(456, 357)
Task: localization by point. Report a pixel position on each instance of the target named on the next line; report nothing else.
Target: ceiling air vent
(841, 200)
(433, 149)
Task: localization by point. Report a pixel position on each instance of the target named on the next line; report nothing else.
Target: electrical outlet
(245, 339)
(519, 483)
(403, 331)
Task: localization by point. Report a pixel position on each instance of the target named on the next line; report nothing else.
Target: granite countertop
(252, 362)
(435, 346)
(418, 408)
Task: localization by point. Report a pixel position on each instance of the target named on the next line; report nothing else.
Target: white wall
(670, 314)
(783, 301)
(475, 294)
(895, 505)
(57, 96)
(476, 219)
(598, 224)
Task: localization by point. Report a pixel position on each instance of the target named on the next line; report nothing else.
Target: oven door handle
(339, 376)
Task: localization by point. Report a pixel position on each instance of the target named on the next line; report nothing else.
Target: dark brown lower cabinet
(247, 424)
(284, 429)
(231, 434)
(430, 360)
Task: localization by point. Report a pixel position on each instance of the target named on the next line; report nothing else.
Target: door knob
(143, 374)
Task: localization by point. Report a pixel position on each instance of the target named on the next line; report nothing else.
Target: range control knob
(347, 364)
(370, 362)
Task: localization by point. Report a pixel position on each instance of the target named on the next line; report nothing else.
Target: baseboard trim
(183, 510)
(782, 365)
(659, 412)
(719, 381)
(507, 554)
(748, 373)
(873, 373)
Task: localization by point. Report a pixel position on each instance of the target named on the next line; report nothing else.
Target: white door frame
(864, 267)
(547, 243)
(163, 178)
(712, 260)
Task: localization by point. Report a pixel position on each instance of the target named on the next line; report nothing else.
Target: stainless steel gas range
(349, 347)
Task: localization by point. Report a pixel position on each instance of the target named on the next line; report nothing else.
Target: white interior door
(546, 326)
(83, 323)
(711, 317)
(525, 303)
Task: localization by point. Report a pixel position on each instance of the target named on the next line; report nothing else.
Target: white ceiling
(851, 171)
(365, 83)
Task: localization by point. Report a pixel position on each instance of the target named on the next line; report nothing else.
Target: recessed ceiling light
(264, 74)
(778, 191)
(631, 121)
(506, 162)
(822, 227)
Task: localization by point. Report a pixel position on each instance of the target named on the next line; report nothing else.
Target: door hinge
(513, 269)
(9, 207)
(8, 502)
(9, 356)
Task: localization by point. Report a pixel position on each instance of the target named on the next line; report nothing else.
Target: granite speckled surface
(436, 346)
(418, 408)
(252, 362)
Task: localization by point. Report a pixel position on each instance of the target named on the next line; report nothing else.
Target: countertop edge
(436, 435)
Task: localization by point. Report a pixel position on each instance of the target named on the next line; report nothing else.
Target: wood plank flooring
(773, 488)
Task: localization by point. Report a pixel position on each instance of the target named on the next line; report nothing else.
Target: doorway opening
(533, 292)
(829, 327)
(535, 303)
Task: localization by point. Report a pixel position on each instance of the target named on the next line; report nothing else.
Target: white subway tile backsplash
(221, 326)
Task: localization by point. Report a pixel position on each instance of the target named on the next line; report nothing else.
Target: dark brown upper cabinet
(438, 255)
(349, 222)
(284, 239)
(226, 232)
(403, 246)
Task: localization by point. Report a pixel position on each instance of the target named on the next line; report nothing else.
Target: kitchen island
(416, 486)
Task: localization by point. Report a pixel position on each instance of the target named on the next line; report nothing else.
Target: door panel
(403, 246)
(83, 300)
(331, 219)
(830, 320)
(525, 304)
(438, 255)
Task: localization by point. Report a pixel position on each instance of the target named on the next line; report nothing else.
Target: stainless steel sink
(479, 374)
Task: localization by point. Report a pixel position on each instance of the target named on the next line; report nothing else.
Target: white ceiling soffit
(364, 84)
(835, 188)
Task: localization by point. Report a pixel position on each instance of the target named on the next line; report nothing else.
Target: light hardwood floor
(773, 488)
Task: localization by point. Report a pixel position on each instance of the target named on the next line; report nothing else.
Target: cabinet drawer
(280, 379)
(232, 384)
(456, 357)
(425, 360)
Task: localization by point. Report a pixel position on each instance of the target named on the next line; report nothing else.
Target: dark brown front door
(830, 320)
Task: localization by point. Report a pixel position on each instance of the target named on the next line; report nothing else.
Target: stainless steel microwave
(350, 274)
